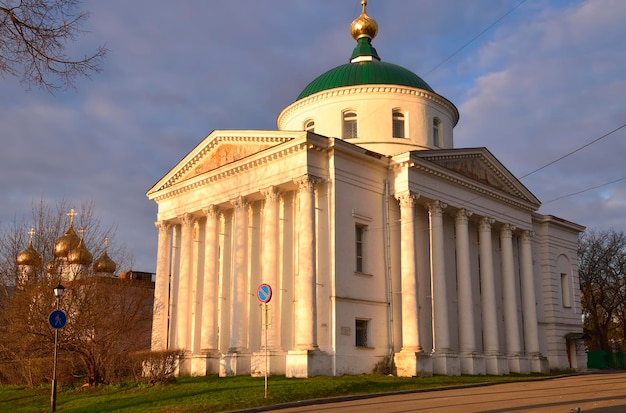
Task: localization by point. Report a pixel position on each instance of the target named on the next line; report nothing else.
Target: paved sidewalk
(598, 393)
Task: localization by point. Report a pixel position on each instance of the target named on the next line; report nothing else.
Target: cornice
(459, 180)
(191, 163)
(354, 90)
(229, 170)
(477, 155)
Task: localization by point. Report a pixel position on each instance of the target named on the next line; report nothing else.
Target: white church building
(386, 248)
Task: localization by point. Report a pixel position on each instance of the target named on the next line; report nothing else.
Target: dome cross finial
(363, 6)
(31, 234)
(72, 214)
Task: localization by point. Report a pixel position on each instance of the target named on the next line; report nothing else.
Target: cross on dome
(72, 214)
(31, 233)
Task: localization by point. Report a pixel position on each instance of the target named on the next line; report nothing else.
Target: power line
(476, 37)
(584, 190)
(574, 151)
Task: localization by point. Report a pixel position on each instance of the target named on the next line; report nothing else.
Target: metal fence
(600, 359)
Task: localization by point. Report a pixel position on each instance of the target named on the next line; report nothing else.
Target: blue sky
(547, 79)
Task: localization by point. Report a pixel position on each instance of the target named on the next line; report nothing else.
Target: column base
(205, 363)
(275, 363)
(518, 364)
(184, 365)
(307, 363)
(472, 363)
(496, 365)
(539, 364)
(412, 364)
(234, 364)
(446, 364)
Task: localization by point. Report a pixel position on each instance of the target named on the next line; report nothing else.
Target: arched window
(309, 126)
(437, 141)
(349, 125)
(398, 123)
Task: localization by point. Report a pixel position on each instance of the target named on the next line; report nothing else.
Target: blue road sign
(264, 293)
(57, 319)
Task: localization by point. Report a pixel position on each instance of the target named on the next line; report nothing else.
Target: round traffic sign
(57, 319)
(264, 293)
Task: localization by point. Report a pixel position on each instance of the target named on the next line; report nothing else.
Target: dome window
(309, 126)
(398, 124)
(437, 141)
(349, 125)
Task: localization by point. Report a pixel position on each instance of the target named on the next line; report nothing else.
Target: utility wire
(476, 37)
(574, 151)
(584, 190)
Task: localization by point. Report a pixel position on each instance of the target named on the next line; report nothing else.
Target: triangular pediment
(219, 149)
(480, 166)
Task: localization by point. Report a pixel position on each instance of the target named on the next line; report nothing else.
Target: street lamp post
(58, 292)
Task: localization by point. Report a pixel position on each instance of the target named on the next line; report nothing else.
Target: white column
(239, 284)
(488, 289)
(467, 333)
(160, 323)
(306, 294)
(410, 306)
(174, 282)
(210, 293)
(509, 293)
(441, 330)
(183, 313)
(531, 333)
(197, 283)
(269, 257)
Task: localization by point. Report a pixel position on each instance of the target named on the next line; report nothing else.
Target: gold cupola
(364, 25)
(80, 255)
(29, 256)
(104, 264)
(68, 241)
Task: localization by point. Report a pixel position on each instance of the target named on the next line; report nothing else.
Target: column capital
(407, 198)
(212, 211)
(527, 235)
(436, 207)
(187, 219)
(306, 182)
(271, 193)
(163, 226)
(240, 202)
(507, 230)
(485, 223)
(463, 216)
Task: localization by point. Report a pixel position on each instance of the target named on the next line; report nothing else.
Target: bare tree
(33, 37)
(108, 318)
(602, 275)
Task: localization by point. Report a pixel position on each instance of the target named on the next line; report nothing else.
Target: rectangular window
(565, 296)
(437, 133)
(398, 124)
(349, 125)
(359, 235)
(360, 328)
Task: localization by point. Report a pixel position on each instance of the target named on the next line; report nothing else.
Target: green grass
(215, 394)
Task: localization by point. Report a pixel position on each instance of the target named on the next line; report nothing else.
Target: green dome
(365, 73)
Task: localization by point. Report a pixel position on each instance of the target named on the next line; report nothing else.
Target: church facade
(386, 248)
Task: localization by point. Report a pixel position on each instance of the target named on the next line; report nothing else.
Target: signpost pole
(266, 360)
(264, 294)
(56, 322)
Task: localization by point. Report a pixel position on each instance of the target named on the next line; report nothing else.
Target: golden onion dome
(66, 243)
(364, 25)
(80, 255)
(104, 264)
(29, 256)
